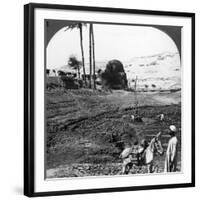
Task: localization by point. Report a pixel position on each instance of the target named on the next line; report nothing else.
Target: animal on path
(141, 155)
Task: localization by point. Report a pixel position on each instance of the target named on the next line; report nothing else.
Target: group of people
(134, 154)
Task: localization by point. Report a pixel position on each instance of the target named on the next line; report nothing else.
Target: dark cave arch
(53, 26)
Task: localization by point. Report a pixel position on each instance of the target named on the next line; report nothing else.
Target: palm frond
(75, 25)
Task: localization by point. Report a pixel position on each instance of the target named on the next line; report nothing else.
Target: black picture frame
(29, 95)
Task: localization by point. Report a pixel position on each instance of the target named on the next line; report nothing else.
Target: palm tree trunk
(82, 51)
(90, 53)
(93, 54)
(78, 69)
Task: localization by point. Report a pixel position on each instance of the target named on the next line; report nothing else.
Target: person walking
(171, 153)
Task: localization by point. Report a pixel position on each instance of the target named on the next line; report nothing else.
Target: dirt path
(165, 100)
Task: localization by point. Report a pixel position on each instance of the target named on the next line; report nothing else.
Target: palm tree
(82, 51)
(80, 27)
(75, 64)
(93, 54)
(90, 53)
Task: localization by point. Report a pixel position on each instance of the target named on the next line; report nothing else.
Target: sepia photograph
(112, 99)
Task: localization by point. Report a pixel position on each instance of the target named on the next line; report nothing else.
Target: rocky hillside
(156, 72)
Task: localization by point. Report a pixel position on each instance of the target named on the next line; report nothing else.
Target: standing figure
(171, 153)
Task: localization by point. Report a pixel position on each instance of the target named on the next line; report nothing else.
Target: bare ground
(85, 129)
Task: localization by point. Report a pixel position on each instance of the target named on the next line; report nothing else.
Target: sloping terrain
(156, 72)
(86, 128)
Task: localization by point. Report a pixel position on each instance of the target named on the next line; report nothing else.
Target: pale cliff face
(156, 72)
(162, 71)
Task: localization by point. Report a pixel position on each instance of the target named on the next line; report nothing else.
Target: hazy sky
(111, 42)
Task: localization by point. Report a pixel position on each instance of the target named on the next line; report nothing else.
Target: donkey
(145, 156)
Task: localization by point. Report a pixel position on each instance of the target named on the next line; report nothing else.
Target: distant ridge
(162, 70)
